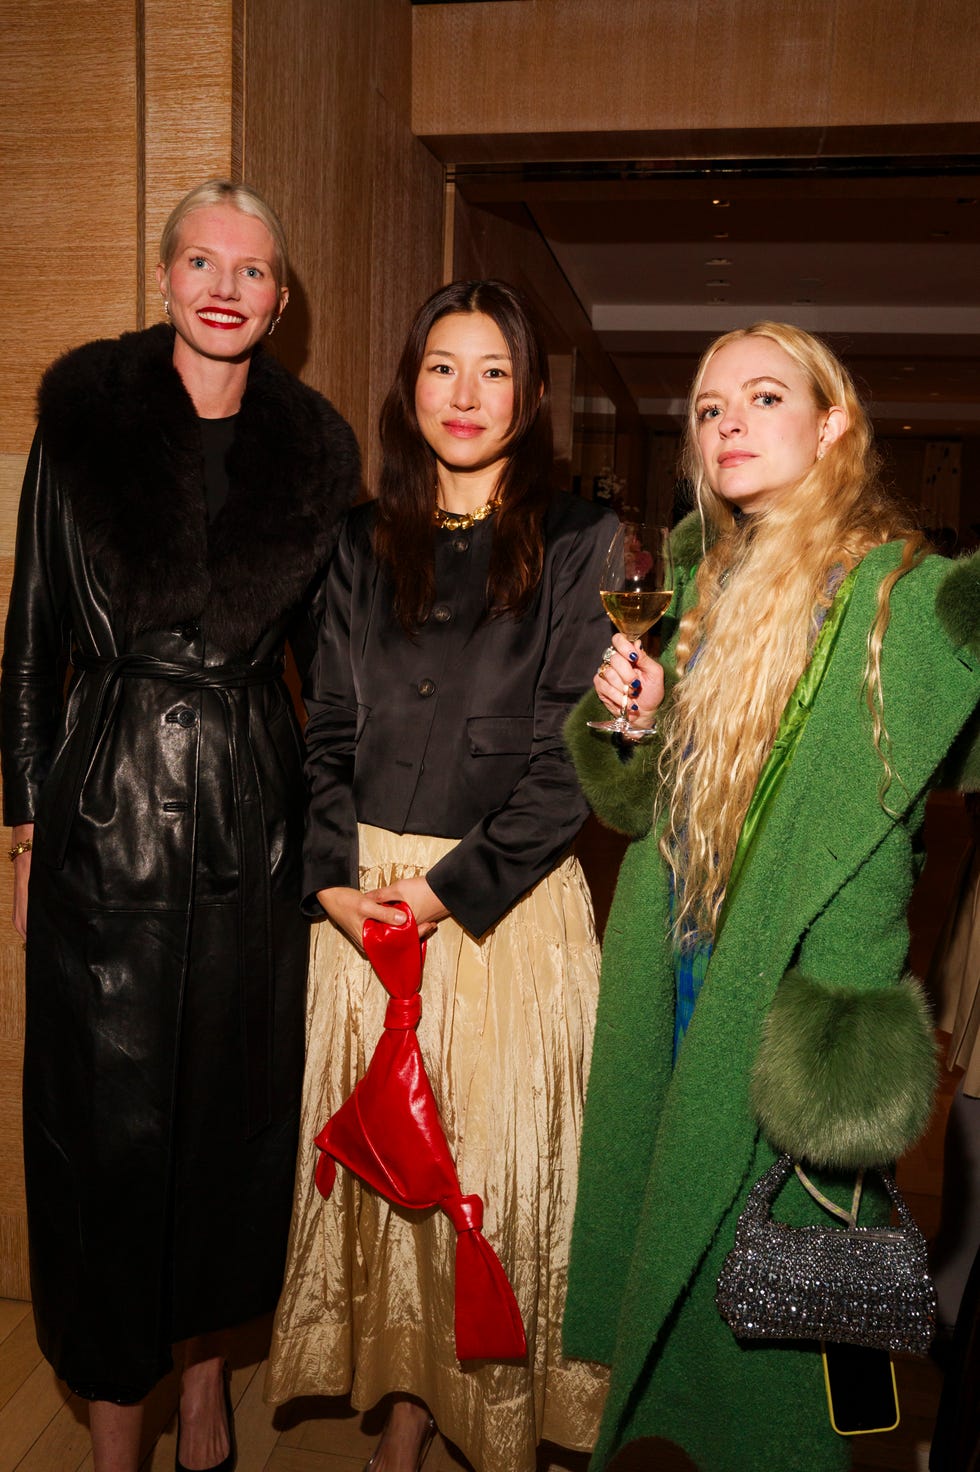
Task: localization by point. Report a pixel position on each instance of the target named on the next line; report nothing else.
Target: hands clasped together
(349, 908)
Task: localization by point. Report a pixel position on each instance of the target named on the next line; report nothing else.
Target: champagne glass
(636, 586)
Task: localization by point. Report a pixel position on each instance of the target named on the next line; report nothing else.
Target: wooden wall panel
(192, 58)
(566, 67)
(68, 235)
(406, 252)
(313, 160)
(68, 226)
(360, 197)
(911, 63)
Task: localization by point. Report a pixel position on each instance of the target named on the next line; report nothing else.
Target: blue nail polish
(634, 708)
(633, 656)
(635, 687)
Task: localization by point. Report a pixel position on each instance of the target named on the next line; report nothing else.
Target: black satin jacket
(456, 732)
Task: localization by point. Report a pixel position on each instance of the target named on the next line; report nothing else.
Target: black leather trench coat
(167, 795)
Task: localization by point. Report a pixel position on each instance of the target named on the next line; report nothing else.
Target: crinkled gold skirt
(506, 1034)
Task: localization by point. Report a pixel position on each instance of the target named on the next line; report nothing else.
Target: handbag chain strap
(850, 1217)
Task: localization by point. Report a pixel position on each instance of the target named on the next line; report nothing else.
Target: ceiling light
(724, 204)
(906, 426)
(718, 261)
(722, 236)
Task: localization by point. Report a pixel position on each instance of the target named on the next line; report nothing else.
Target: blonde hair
(760, 585)
(242, 197)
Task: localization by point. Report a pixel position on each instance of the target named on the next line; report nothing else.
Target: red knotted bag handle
(388, 1132)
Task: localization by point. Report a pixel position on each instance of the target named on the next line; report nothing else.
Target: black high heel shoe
(428, 1436)
(228, 1463)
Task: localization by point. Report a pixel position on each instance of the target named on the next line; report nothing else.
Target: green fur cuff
(958, 603)
(845, 1077)
(618, 783)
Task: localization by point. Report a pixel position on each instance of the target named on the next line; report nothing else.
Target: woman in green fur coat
(821, 671)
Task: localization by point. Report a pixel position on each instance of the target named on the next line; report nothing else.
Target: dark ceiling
(880, 257)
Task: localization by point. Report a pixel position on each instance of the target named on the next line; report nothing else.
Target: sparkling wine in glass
(636, 588)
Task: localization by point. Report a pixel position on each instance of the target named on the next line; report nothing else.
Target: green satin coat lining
(791, 727)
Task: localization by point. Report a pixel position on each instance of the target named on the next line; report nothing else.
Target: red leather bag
(390, 1135)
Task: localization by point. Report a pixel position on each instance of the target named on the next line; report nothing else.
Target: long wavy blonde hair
(759, 588)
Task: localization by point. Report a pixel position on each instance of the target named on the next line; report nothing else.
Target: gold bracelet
(22, 846)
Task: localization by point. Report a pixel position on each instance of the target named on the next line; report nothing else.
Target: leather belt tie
(254, 904)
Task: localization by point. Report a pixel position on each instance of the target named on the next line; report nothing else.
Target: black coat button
(426, 687)
(461, 544)
(182, 717)
(442, 614)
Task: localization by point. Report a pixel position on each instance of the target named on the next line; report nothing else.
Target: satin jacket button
(426, 687)
(188, 631)
(461, 544)
(182, 717)
(442, 614)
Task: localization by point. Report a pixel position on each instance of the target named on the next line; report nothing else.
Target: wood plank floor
(44, 1428)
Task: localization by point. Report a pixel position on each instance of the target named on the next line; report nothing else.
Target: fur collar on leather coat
(122, 435)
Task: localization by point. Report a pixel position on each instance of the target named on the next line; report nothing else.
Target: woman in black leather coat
(177, 512)
(462, 622)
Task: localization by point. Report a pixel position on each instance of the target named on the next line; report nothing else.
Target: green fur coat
(806, 1037)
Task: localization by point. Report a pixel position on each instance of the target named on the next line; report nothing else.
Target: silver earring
(274, 325)
(820, 454)
(166, 307)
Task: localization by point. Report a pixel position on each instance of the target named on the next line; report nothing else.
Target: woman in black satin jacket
(462, 622)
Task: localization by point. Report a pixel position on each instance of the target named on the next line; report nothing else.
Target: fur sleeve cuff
(618, 781)
(845, 1077)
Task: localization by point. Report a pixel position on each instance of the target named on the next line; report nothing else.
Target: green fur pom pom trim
(958, 603)
(618, 783)
(845, 1077)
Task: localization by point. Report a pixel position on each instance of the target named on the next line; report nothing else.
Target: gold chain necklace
(452, 522)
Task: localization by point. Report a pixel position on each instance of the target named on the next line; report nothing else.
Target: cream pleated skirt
(506, 1035)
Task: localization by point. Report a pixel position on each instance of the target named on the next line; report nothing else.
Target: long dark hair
(403, 540)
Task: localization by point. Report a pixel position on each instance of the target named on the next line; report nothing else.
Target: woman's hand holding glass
(635, 587)
(630, 671)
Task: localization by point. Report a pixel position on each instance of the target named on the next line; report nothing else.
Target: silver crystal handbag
(858, 1285)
